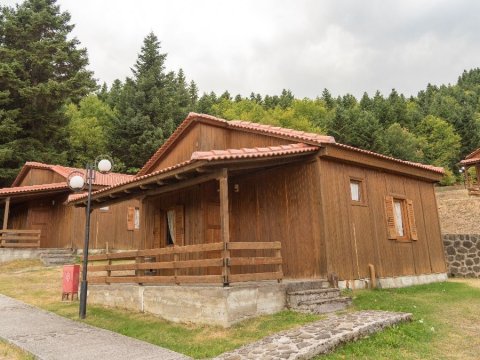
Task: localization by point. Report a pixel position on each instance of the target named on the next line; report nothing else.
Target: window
(357, 191)
(175, 226)
(400, 216)
(137, 218)
(105, 208)
(133, 218)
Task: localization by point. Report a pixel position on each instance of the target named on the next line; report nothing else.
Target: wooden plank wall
(277, 205)
(204, 137)
(64, 226)
(41, 176)
(201, 222)
(356, 235)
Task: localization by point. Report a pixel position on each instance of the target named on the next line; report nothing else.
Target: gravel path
(317, 338)
(50, 337)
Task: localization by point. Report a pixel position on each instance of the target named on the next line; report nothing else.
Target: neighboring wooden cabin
(472, 160)
(35, 206)
(272, 203)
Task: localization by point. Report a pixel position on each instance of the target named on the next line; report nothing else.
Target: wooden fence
(211, 263)
(20, 238)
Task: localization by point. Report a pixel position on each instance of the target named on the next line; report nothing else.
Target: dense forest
(53, 110)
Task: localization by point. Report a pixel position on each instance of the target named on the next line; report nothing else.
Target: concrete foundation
(211, 305)
(10, 254)
(394, 282)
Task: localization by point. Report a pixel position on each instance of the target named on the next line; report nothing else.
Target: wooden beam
(225, 223)
(350, 156)
(180, 177)
(202, 170)
(6, 213)
(147, 187)
(158, 191)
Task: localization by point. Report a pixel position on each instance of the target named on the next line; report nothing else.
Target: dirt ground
(459, 212)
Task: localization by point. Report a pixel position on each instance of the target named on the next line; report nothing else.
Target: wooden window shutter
(389, 213)
(411, 220)
(179, 225)
(131, 218)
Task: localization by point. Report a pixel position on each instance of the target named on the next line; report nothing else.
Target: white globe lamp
(76, 182)
(104, 166)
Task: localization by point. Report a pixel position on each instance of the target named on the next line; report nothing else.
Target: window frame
(408, 218)
(405, 221)
(361, 189)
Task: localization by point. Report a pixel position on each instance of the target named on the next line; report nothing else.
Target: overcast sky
(302, 45)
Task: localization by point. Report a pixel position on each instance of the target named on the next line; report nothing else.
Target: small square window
(356, 190)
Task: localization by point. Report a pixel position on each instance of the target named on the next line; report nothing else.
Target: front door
(39, 219)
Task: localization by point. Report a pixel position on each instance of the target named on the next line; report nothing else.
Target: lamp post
(77, 181)
(464, 175)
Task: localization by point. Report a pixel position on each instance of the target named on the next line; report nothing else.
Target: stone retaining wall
(10, 254)
(462, 252)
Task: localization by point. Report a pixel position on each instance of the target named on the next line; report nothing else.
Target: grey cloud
(304, 45)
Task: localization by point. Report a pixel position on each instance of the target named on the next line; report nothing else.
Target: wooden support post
(109, 272)
(477, 169)
(5, 218)
(5, 214)
(278, 254)
(225, 225)
(373, 277)
(175, 268)
(139, 260)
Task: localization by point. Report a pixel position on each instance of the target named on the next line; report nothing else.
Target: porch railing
(20, 238)
(232, 262)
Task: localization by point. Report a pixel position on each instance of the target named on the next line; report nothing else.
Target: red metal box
(70, 279)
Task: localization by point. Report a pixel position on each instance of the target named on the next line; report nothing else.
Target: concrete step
(58, 257)
(321, 306)
(305, 296)
(57, 251)
(302, 285)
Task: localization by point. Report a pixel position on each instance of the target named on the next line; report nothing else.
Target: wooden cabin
(472, 183)
(232, 201)
(35, 212)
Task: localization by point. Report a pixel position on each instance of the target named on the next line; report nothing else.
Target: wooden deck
(200, 264)
(13, 238)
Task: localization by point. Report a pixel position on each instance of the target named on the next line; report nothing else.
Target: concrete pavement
(52, 337)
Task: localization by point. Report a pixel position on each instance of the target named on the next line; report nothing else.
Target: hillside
(459, 213)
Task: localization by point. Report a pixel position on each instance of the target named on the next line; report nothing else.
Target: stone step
(57, 251)
(298, 297)
(58, 257)
(302, 285)
(321, 306)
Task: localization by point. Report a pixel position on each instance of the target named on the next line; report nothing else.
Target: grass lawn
(10, 352)
(32, 283)
(446, 323)
(446, 319)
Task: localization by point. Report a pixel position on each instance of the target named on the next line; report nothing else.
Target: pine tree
(41, 69)
(149, 106)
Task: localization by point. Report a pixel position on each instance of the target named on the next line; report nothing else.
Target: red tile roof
(33, 188)
(473, 153)
(436, 169)
(470, 161)
(64, 171)
(216, 155)
(310, 138)
(253, 152)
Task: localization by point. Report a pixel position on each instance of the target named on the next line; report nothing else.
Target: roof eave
(191, 169)
(348, 154)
